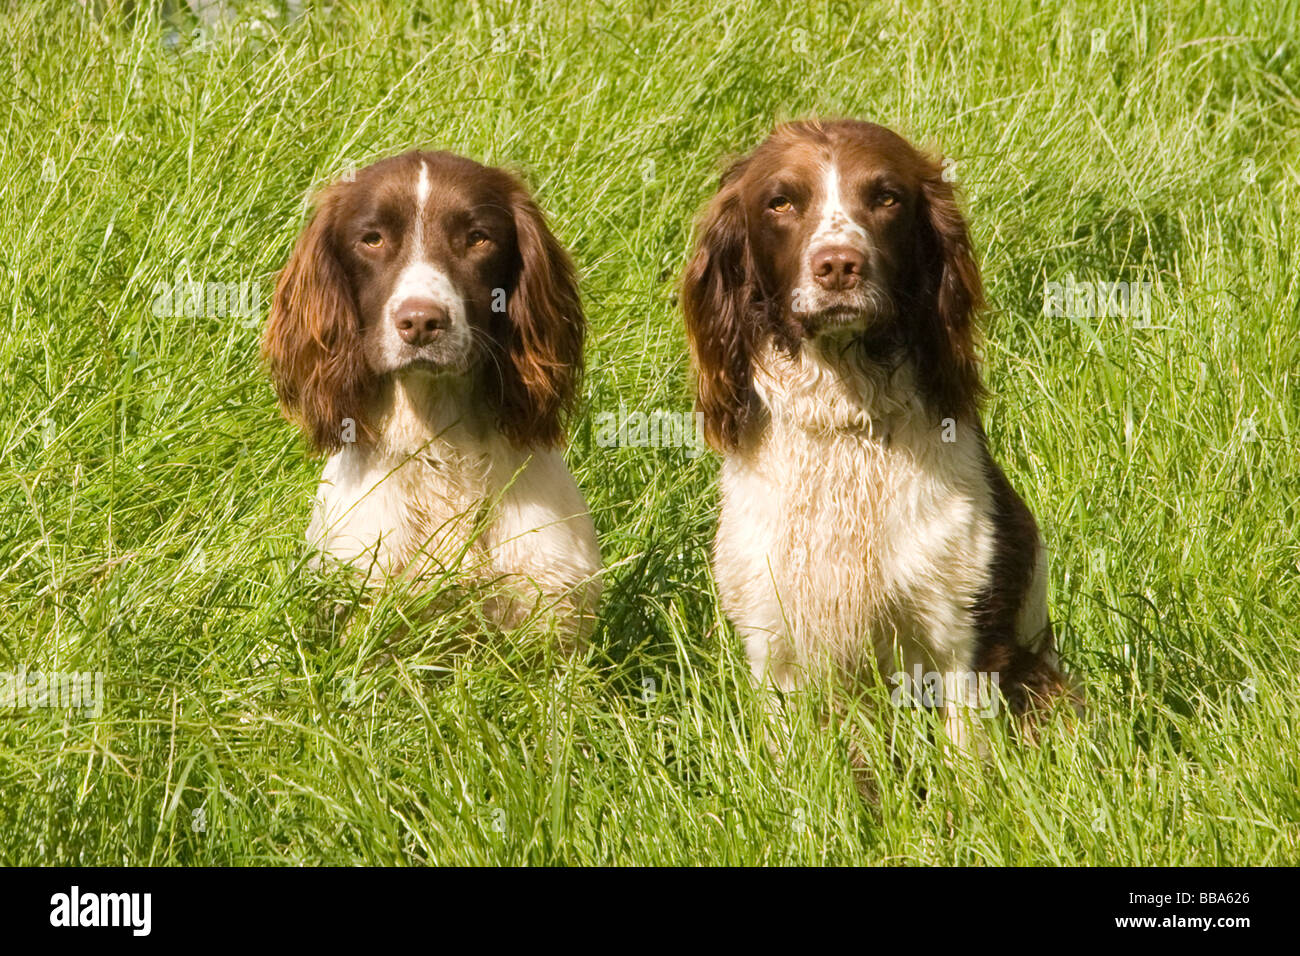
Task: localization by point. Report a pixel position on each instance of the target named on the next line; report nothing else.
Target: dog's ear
(312, 341)
(717, 301)
(539, 369)
(948, 339)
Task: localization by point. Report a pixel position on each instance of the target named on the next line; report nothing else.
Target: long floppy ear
(542, 343)
(718, 289)
(312, 342)
(947, 349)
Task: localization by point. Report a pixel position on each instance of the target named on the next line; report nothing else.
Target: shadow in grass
(1169, 671)
(1099, 242)
(662, 586)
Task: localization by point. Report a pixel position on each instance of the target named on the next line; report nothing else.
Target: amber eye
(372, 240)
(780, 204)
(477, 239)
(886, 199)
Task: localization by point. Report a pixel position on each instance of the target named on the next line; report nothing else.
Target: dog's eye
(886, 200)
(780, 204)
(372, 240)
(478, 238)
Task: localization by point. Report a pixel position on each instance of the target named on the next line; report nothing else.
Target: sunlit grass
(153, 502)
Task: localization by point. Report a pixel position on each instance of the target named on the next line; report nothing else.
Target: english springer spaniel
(829, 305)
(427, 334)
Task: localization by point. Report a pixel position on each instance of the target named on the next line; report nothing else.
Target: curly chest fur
(852, 531)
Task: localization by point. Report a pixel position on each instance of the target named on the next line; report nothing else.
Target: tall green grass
(153, 502)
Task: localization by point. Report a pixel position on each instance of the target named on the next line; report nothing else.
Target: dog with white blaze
(830, 305)
(427, 335)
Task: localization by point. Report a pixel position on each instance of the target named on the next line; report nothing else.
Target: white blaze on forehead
(421, 198)
(422, 188)
(836, 225)
(420, 278)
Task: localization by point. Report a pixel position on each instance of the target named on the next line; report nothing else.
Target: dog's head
(830, 229)
(426, 264)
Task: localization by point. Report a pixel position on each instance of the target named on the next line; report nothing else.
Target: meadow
(152, 500)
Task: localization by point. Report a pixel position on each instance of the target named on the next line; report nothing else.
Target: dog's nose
(838, 268)
(419, 320)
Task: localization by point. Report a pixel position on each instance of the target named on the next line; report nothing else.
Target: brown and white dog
(427, 334)
(830, 307)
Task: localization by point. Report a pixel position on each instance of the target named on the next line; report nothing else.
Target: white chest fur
(852, 533)
(442, 489)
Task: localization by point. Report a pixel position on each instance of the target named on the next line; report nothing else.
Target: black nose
(419, 320)
(838, 268)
